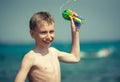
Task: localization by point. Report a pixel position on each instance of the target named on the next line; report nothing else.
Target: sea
(100, 61)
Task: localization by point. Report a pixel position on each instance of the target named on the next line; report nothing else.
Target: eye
(52, 31)
(43, 32)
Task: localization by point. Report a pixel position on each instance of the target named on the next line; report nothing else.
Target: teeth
(47, 41)
(44, 39)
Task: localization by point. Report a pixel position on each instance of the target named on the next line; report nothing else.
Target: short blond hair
(39, 17)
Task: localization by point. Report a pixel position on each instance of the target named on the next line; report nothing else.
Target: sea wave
(103, 52)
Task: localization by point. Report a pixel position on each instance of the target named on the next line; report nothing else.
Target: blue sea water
(95, 66)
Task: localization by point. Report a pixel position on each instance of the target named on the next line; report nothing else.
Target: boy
(42, 63)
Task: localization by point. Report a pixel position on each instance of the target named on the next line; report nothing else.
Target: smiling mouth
(47, 41)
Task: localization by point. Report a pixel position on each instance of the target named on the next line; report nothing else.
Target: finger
(75, 14)
(72, 22)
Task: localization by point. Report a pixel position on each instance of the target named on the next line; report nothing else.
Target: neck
(41, 50)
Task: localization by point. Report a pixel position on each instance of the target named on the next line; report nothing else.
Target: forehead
(45, 26)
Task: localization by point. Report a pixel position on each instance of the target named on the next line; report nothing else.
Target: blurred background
(99, 37)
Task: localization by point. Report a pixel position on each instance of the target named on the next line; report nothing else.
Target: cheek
(38, 36)
(41, 36)
(53, 35)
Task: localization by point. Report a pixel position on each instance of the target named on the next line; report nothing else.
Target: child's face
(44, 34)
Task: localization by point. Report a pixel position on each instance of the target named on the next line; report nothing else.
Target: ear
(32, 33)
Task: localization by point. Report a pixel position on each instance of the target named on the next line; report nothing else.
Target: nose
(49, 36)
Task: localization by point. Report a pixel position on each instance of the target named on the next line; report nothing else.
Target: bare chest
(47, 64)
(45, 68)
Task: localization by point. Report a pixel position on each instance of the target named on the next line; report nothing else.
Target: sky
(102, 20)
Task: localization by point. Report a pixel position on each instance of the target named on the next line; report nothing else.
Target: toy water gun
(69, 13)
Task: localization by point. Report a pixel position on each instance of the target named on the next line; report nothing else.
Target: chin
(47, 45)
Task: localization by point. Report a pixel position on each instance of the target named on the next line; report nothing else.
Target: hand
(73, 26)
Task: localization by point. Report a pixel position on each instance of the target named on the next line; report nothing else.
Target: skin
(42, 63)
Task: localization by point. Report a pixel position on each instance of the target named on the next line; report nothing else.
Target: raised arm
(74, 55)
(75, 50)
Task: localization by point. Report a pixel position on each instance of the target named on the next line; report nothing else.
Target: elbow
(78, 60)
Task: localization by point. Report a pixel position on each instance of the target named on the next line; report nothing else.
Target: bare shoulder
(54, 50)
(57, 52)
(29, 57)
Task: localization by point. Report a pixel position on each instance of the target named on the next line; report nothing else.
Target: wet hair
(39, 17)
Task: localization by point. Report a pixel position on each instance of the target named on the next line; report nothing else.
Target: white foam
(105, 52)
